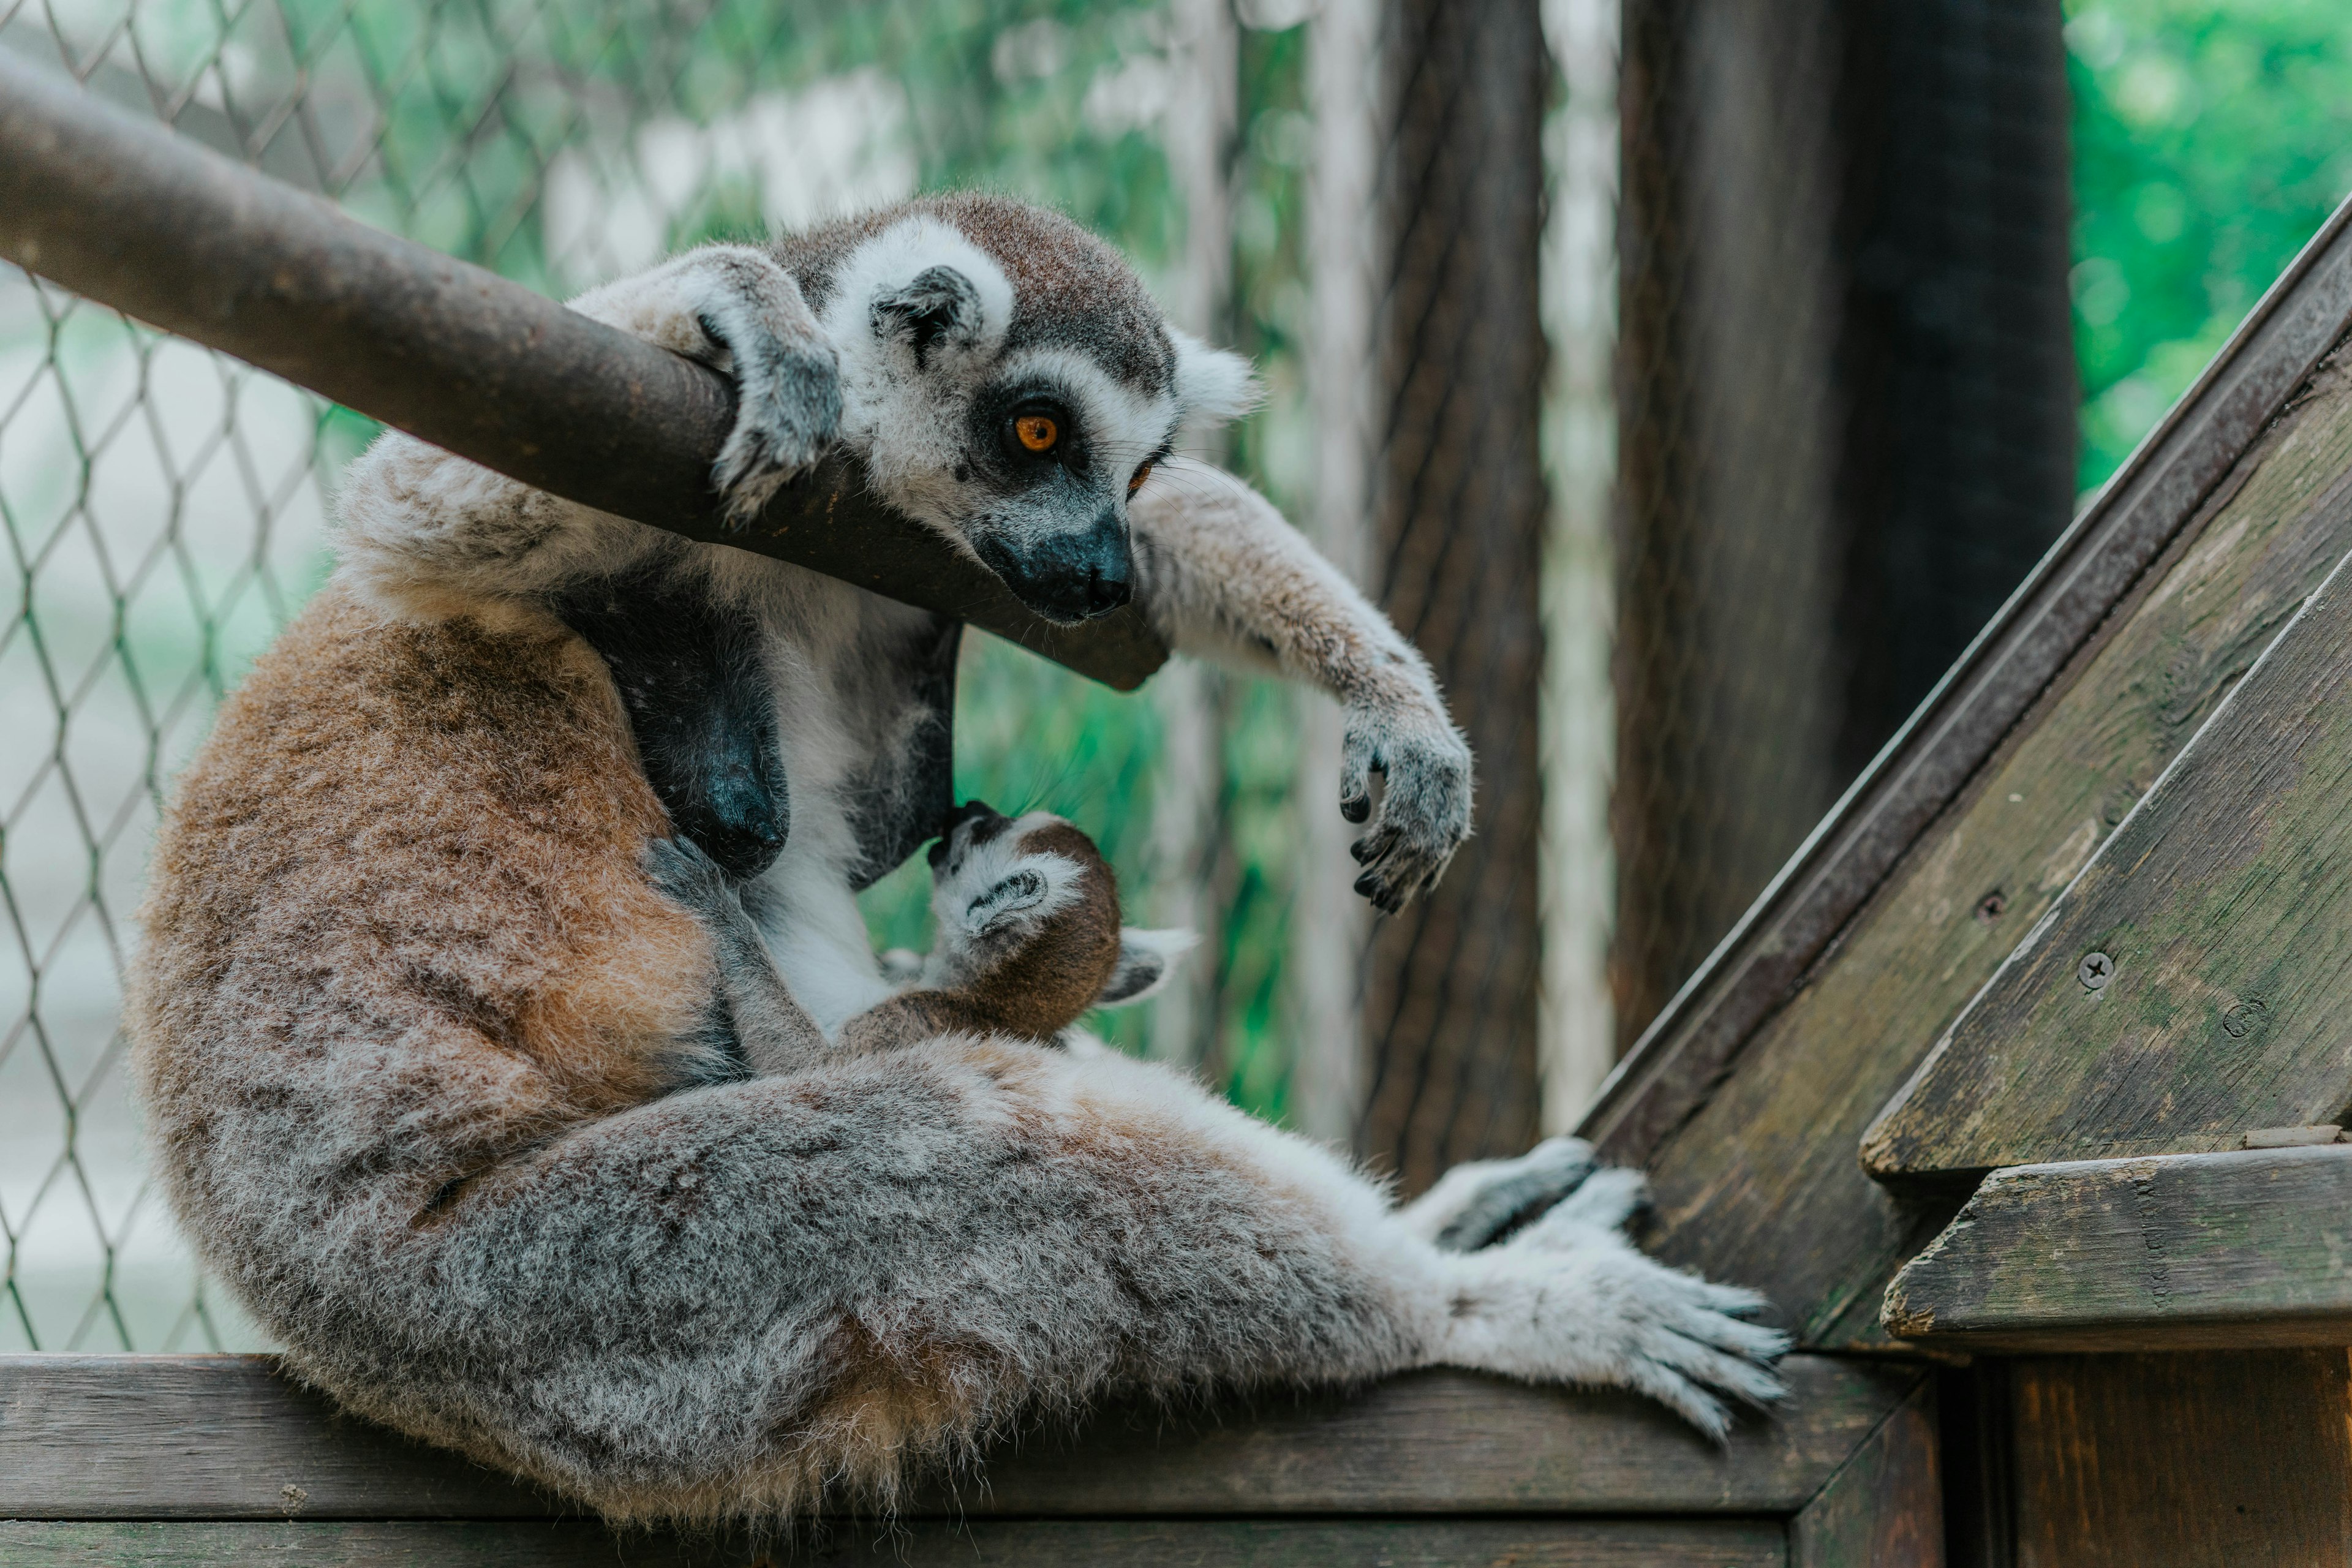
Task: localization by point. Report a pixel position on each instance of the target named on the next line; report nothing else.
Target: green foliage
(2212, 138)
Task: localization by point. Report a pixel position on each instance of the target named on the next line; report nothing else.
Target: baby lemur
(1028, 940)
(523, 1139)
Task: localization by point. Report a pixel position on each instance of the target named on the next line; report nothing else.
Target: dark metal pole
(125, 213)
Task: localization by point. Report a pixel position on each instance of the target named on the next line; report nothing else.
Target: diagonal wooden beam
(2191, 985)
(122, 211)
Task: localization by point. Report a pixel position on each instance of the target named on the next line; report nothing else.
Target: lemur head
(1009, 382)
(1027, 916)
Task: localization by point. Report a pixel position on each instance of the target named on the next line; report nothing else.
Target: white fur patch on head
(991, 887)
(906, 417)
(1213, 386)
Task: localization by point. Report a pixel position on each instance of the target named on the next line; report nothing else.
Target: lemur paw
(1478, 1203)
(1569, 1299)
(1424, 812)
(683, 872)
(788, 401)
(735, 309)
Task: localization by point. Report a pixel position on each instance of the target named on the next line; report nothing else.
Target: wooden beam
(227, 1437)
(1324, 1544)
(2191, 985)
(2172, 1253)
(1749, 1109)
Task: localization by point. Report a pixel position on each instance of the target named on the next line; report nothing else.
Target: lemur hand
(1570, 1299)
(1424, 812)
(733, 308)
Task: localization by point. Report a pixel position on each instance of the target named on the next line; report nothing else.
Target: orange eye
(1136, 483)
(1037, 432)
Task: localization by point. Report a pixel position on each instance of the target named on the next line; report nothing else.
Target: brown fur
(437, 826)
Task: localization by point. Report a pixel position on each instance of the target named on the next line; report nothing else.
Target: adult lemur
(466, 1092)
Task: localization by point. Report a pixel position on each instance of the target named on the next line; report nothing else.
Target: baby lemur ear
(1147, 959)
(941, 306)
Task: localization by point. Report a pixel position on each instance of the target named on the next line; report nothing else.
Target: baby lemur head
(1009, 382)
(1028, 927)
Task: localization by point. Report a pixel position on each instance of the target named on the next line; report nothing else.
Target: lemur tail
(730, 1301)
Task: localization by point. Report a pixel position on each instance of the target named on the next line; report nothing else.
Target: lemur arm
(1223, 577)
(774, 1031)
(416, 520)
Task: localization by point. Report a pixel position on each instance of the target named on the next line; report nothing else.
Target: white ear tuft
(1213, 386)
(1147, 959)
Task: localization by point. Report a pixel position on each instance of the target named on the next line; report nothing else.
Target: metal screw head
(2095, 970)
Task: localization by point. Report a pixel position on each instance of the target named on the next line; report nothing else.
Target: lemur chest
(752, 726)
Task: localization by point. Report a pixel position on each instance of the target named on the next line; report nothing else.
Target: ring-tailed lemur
(429, 1054)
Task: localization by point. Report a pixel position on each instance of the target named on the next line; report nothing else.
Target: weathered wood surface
(2164, 492)
(2219, 1460)
(2194, 983)
(1346, 1543)
(1884, 1508)
(225, 1438)
(2174, 1252)
(1760, 1183)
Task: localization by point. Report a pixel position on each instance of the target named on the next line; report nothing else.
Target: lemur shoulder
(618, 1161)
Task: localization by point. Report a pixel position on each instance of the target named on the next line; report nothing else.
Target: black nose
(1068, 577)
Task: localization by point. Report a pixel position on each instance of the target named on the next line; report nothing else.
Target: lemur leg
(1475, 1204)
(1223, 576)
(739, 1293)
(417, 519)
(776, 1033)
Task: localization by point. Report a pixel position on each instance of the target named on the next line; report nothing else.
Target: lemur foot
(1482, 1202)
(1424, 811)
(733, 308)
(1569, 1299)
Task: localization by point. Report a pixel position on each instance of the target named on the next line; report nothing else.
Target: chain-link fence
(167, 508)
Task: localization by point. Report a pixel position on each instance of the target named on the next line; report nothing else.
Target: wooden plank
(1884, 1508)
(1760, 1183)
(1224, 1544)
(2183, 1461)
(2172, 1253)
(226, 1437)
(2167, 488)
(2191, 985)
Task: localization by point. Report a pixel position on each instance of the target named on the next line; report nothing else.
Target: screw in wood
(2095, 970)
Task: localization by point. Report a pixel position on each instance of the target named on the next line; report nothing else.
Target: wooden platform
(202, 1459)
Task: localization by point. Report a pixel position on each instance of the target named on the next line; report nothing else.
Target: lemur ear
(1146, 960)
(941, 306)
(1212, 384)
(986, 914)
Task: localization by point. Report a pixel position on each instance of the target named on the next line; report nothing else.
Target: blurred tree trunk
(1450, 1014)
(1846, 413)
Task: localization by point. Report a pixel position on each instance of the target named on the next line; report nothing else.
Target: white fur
(1213, 384)
(910, 426)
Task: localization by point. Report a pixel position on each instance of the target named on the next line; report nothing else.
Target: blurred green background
(2212, 138)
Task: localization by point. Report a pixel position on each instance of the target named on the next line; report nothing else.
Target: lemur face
(1009, 382)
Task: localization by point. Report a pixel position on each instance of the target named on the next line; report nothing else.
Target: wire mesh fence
(168, 508)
